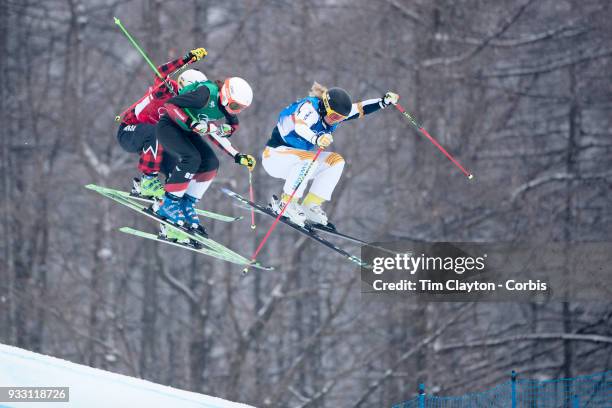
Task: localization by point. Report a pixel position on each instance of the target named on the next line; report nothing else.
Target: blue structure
(588, 391)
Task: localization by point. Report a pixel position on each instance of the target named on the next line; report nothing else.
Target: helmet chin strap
(322, 110)
(224, 97)
(323, 113)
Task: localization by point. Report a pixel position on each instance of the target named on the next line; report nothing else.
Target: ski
(335, 233)
(304, 230)
(209, 214)
(203, 251)
(323, 228)
(215, 246)
(310, 227)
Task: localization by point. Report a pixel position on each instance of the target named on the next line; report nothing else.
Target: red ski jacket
(149, 108)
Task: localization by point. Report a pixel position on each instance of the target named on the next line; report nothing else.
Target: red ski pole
(432, 140)
(299, 182)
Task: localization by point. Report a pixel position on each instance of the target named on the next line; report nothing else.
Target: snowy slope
(93, 388)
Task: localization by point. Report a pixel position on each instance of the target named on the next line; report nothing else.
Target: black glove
(234, 130)
(196, 55)
(245, 160)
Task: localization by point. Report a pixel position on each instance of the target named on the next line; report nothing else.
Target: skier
(136, 132)
(208, 102)
(302, 127)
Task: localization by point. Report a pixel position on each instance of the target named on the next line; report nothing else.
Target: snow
(91, 387)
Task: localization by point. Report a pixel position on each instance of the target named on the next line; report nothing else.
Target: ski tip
(91, 187)
(255, 264)
(253, 226)
(117, 21)
(260, 266)
(470, 177)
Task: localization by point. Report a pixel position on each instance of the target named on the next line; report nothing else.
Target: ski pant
(290, 164)
(196, 164)
(141, 139)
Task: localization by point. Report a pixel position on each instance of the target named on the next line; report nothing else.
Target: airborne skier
(182, 136)
(302, 127)
(136, 133)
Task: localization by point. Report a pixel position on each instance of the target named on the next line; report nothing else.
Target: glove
(197, 54)
(234, 129)
(390, 98)
(245, 160)
(324, 140)
(225, 130)
(201, 128)
(211, 129)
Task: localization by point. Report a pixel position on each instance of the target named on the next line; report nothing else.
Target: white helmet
(189, 77)
(236, 94)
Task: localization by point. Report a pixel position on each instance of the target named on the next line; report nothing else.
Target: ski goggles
(231, 105)
(234, 107)
(331, 114)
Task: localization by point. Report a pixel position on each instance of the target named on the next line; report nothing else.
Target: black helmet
(337, 100)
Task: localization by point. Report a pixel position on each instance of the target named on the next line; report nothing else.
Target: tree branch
(592, 338)
(424, 342)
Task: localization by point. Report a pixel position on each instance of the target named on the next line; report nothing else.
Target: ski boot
(293, 212)
(175, 235)
(170, 209)
(149, 186)
(191, 216)
(315, 214)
